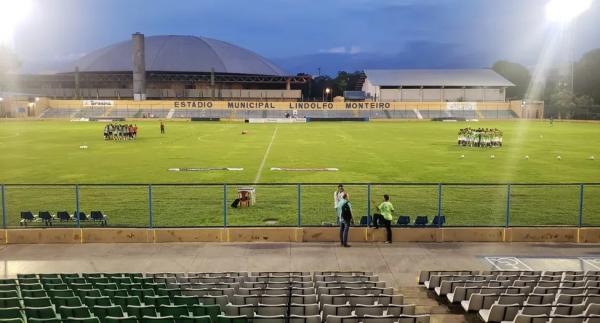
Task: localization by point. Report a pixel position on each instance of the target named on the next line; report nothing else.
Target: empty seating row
(404, 221)
(46, 218)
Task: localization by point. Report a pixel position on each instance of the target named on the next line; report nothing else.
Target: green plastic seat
(231, 319)
(8, 281)
(92, 275)
(105, 286)
(81, 320)
(133, 275)
(8, 293)
(111, 319)
(98, 280)
(10, 313)
(171, 292)
(194, 319)
(173, 310)
(104, 311)
(46, 320)
(19, 276)
(28, 281)
(37, 301)
(40, 312)
(141, 311)
(61, 286)
(48, 276)
(141, 292)
(14, 320)
(53, 293)
(131, 286)
(186, 300)
(91, 301)
(73, 301)
(88, 293)
(34, 293)
(157, 301)
(75, 280)
(64, 276)
(78, 286)
(143, 280)
(125, 301)
(156, 319)
(34, 286)
(155, 286)
(112, 293)
(10, 302)
(76, 312)
(211, 310)
(120, 280)
(51, 281)
(7, 287)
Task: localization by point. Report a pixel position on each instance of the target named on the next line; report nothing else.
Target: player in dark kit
(162, 128)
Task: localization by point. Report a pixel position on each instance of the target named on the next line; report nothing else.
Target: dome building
(167, 67)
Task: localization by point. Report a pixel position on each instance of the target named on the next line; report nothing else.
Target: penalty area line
(264, 160)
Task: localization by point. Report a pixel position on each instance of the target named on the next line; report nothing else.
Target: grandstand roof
(456, 77)
(172, 53)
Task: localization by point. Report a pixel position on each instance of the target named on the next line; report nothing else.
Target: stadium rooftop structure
(168, 66)
(435, 85)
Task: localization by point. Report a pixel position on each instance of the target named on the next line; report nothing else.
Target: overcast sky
(305, 34)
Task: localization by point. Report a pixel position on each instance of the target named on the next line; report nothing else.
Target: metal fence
(209, 205)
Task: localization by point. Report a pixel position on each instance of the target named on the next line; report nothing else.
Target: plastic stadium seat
(157, 301)
(365, 220)
(40, 312)
(91, 301)
(186, 300)
(97, 216)
(403, 221)
(397, 310)
(82, 216)
(10, 302)
(44, 320)
(194, 319)
(88, 293)
(269, 319)
(115, 292)
(202, 310)
(24, 276)
(438, 220)
(341, 319)
(421, 220)
(53, 293)
(141, 292)
(231, 319)
(305, 319)
(13, 320)
(51, 281)
(34, 293)
(81, 320)
(26, 217)
(118, 319)
(76, 312)
(8, 293)
(45, 217)
(28, 286)
(36, 302)
(157, 319)
(173, 310)
(126, 301)
(63, 216)
(75, 280)
(104, 311)
(66, 301)
(141, 311)
(10, 313)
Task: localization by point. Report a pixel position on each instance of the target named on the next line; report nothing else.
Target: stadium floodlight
(564, 11)
(327, 90)
(12, 12)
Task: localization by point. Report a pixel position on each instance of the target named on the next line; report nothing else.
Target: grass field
(47, 152)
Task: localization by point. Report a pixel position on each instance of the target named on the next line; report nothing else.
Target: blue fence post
(439, 205)
(507, 224)
(580, 222)
(77, 206)
(299, 198)
(150, 215)
(225, 205)
(3, 207)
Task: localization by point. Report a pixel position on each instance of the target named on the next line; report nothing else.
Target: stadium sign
(98, 103)
(310, 106)
(461, 106)
(193, 104)
(368, 105)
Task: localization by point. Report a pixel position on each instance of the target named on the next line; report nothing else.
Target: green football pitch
(48, 152)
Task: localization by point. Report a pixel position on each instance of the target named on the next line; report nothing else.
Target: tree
(587, 75)
(561, 102)
(517, 74)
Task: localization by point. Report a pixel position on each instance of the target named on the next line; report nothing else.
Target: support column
(77, 85)
(139, 67)
(288, 84)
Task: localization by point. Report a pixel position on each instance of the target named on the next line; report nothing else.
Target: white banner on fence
(277, 120)
(461, 106)
(98, 103)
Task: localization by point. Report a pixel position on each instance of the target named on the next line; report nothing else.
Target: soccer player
(162, 128)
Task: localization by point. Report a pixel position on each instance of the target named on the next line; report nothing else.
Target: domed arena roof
(171, 53)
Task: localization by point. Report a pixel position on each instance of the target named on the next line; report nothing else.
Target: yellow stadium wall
(295, 234)
(263, 105)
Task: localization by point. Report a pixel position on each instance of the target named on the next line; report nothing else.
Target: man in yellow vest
(385, 216)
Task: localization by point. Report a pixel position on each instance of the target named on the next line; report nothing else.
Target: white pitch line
(589, 262)
(262, 164)
(494, 261)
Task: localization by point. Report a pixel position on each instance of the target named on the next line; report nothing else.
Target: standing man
(344, 214)
(337, 196)
(162, 128)
(385, 216)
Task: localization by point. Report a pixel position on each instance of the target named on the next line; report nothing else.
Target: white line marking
(590, 261)
(511, 263)
(262, 164)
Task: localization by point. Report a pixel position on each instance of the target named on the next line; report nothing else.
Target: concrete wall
(439, 95)
(294, 234)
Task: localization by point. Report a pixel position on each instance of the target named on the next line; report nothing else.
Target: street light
(327, 91)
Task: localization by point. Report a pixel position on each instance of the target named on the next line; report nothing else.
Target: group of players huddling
(120, 132)
(481, 137)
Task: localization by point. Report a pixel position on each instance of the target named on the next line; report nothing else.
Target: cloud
(342, 50)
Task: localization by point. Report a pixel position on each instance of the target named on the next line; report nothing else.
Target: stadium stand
(520, 296)
(269, 297)
(48, 219)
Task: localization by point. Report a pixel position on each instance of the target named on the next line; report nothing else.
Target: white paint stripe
(262, 164)
(587, 261)
(494, 261)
